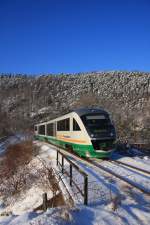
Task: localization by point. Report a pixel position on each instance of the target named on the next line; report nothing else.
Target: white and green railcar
(88, 132)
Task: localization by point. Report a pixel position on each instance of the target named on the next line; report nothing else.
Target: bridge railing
(61, 164)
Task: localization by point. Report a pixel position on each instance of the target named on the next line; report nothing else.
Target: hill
(26, 100)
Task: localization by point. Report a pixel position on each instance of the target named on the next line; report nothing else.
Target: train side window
(60, 125)
(42, 129)
(50, 128)
(35, 128)
(75, 125)
(67, 124)
(63, 125)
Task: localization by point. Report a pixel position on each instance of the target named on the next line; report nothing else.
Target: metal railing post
(57, 159)
(62, 164)
(70, 175)
(85, 190)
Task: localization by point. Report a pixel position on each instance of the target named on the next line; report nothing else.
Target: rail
(131, 166)
(132, 183)
(84, 192)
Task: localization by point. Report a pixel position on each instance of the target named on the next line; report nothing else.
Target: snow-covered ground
(142, 181)
(30, 198)
(139, 162)
(110, 201)
(79, 216)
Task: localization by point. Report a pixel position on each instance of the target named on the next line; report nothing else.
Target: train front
(101, 132)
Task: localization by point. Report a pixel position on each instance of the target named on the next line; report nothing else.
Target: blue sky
(54, 36)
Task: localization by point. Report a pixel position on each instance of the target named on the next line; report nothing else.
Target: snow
(138, 179)
(40, 111)
(30, 200)
(83, 215)
(134, 161)
(111, 202)
(145, 160)
(103, 189)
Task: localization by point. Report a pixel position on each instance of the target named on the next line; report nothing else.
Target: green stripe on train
(81, 150)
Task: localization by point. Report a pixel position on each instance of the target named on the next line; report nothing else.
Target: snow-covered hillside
(26, 100)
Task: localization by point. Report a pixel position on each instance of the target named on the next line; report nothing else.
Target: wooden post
(45, 201)
(70, 175)
(85, 190)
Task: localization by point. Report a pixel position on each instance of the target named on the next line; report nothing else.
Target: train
(88, 132)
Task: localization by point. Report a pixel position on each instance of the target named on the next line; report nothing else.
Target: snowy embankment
(22, 190)
(106, 192)
(110, 201)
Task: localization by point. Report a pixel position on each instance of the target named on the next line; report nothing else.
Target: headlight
(87, 154)
(92, 135)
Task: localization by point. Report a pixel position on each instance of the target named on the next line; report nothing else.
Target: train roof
(80, 112)
(83, 111)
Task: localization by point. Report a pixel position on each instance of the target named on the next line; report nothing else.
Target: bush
(13, 169)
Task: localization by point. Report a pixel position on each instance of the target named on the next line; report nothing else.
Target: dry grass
(14, 168)
(116, 202)
(17, 155)
(55, 201)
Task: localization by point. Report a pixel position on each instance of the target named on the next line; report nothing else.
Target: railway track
(2, 139)
(98, 164)
(129, 177)
(140, 170)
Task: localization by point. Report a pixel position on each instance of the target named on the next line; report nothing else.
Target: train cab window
(42, 129)
(63, 125)
(97, 123)
(75, 125)
(50, 129)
